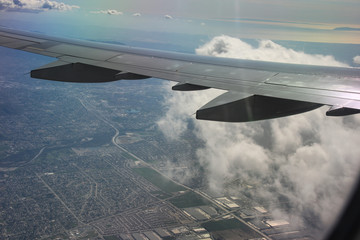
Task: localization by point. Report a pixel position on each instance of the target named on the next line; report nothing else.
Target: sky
(306, 151)
(315, 11)
(261, 19)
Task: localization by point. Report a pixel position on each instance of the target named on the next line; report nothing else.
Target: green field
(226, 224)
(189, 199)
(158, 180)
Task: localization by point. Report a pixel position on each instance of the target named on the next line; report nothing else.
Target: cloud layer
(225, 46)
(309, 158)
(34, 5)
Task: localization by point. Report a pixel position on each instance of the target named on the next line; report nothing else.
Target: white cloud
(34, 5)
(267, 50)
(356, 59)
(174, 123)
(137, 14)
(304, 157)
(168, 17)
(109, 12)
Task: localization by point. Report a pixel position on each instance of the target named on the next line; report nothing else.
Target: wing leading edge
(256, 90)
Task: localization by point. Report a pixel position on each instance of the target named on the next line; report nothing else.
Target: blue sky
(318, 11)
(308, 20)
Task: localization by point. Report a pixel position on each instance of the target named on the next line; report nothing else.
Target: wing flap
(226, 73)
(82, 52)
(25, 37)
(326, 97)
(71, 59)
(323, 82)
(17, 44)
(148, 62)
(4, 40)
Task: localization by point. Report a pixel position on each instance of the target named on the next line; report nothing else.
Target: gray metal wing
(257, 90)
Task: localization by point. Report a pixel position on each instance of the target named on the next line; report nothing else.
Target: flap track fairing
(235, 107)
(188, 87)
(74, 72)
(338, 111)
(81, 73)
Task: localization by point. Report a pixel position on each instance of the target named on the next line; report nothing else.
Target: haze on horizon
(276, 20)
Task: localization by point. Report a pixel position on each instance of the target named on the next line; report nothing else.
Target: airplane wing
(256, 90)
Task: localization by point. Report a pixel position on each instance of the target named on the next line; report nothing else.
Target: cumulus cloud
(356, 59)
(174, 123)
(34, 5)
(109, 12)
(267, 50)
(168, 17)
(137, 14)
(304, 158)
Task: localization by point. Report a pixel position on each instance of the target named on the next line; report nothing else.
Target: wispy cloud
(302, 157)
(109, 12)
(34, 5)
